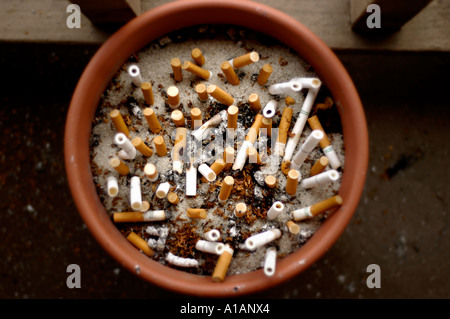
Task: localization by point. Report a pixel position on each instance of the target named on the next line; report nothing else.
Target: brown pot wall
(158, 22)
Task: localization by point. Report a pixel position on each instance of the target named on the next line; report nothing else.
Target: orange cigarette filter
(255, 103)
(285, 123)
(195, 69)
(326, 205)
(228, 70)
(197, 56)
(266, 126)
(254, 129)
(197, 213)
(147, 91)
(264, 74)
(141, 147)
(271, 181)
(319, 166)
(314, 123)
(128, 217)
(150, 170)
(118, 122)
(240, 209)
(220, 95)
(176, 69)
(152, 120)
(201, 91)
(292, 181)
(119, 166)
(228, 157)
(289, 101)
(285, 167)
(227, 186)
(253, 156)
(220, 271)
(245, 59)
(160, 145)
(293, 227)
(217, 167)
(140, 243)
(178, 118)
(173, 96)
(232, 116)
(173, 198)
(196, 117)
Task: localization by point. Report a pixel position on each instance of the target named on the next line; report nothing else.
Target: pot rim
(158, 22)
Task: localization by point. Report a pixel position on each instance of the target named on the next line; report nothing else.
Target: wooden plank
(394, 14)
(111, 12)
(45, 21)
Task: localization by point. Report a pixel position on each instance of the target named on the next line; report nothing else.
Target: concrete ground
(402, 223)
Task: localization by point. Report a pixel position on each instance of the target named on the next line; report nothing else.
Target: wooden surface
(45, 21)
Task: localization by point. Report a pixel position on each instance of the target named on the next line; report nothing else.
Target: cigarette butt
(220, 271)
(225, 191)
(232, 116)
(319, 166)
(220, 95)
(147, 91)
(152, 120)
(253, 156)
(176, 69)
(207, 172)
(314, 123)
(173, 198)
(151, 171)
(240, 209)
(118, 122)
(285, 167)
(141, 147)
(195, 69)
(328, 101)
(173, 97)
(255, 103)
(271, 181)
(326, 205)
(140, 243)
(160, 145)
(254, 129)
(197, 56)
(292, 181)
(217, 167)
(197, 213)
(119, 166)
(245, 59)
(228, 70)
(196, 117)
(285, 123)
(145, 206)
(293, 227)
(266, 126)
(289, 101)
(178, 118)
(264, 74)
(201, 91)
(228, 157)
(128, 217)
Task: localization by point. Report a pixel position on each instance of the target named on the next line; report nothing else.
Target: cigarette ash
(178, 234)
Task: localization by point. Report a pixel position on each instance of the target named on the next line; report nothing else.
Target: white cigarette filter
(270, 261)
(333, 159)
(276, 209)
(154, 215)
(135, 73)
(180, 261)
(270, 109)
(162, 190)
(211, 247)
(191, 181)
(207, 172)
(213, 122)
(212, 235)
(313, 86)
(261, 239)
(113, 186)
(241, 156)
(128, 151)
(135, 193)
(286, 88)
(323, 178)
(306, 148)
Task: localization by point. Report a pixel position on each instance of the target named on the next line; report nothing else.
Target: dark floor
(402, 223)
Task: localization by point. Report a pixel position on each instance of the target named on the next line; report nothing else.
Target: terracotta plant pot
(154, 24)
